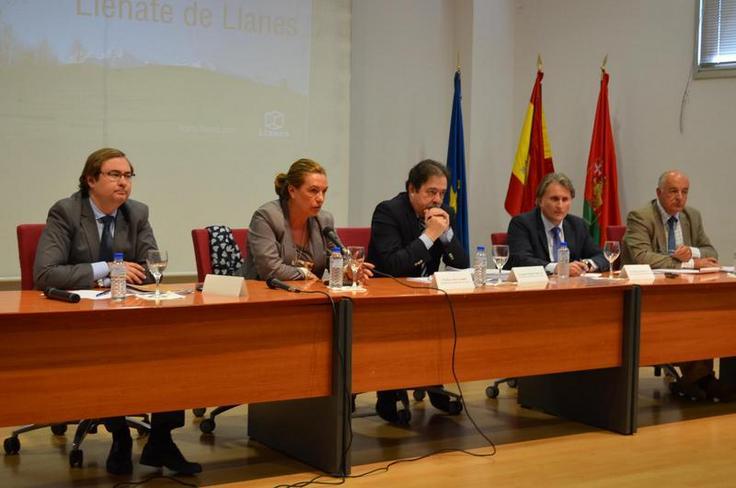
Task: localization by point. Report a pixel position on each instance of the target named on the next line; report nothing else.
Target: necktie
(106, 241)
(555, 242)
(671, 235)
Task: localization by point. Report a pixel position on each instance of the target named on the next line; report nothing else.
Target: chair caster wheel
(76, 458)
(207, 426)
(11, 445)
(492, 391)
(512, 383)
(58, 429)
(419, 395)
(199, 412)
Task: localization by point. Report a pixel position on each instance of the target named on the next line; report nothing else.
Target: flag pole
(539, 62)
(603, 65)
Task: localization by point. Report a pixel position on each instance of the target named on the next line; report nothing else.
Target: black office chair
(28, 237)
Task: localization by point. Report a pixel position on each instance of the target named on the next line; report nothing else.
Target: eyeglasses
(117, 175)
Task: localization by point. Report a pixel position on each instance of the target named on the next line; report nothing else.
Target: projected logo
(273, 125)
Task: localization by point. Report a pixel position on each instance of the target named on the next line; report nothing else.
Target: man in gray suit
(668, 234)
(75, 251)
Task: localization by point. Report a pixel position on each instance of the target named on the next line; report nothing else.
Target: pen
(104, 292)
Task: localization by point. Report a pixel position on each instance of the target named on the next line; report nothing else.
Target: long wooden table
(574, 345)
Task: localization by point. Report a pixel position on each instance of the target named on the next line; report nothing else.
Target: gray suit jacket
(71, 242)
(271, 250)
(645, 241)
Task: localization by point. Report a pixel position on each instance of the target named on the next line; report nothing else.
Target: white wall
(403, 61)
(404, 55)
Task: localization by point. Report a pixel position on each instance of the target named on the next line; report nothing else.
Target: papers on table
(92, 294)
(714, 269)
(145, 295)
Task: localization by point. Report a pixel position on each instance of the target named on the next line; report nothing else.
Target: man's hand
(437, 222)
(134, 273)
(578, 268)
(683, 253)
(705, 263)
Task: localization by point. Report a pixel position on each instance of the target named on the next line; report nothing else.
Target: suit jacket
(645, 241)
(395, 247)
(528, 241)
(271, 249)
(71, 242)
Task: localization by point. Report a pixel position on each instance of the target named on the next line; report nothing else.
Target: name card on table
(529, 275)
(637, 272)
(228, 286)
(454, 280)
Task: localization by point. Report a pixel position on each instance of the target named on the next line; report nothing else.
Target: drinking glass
(611, 251)
(357, 256)
(500, 256)
(157, 260)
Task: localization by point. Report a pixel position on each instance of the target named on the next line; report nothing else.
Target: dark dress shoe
(386, 406)
(158, 454)
(715, 390)
(691, 391)
(118, 461)
(440, 401)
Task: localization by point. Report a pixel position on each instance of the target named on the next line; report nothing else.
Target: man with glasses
(76, 250)
(668, 234)
(410, 235)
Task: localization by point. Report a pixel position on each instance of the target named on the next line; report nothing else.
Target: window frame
(701, 71)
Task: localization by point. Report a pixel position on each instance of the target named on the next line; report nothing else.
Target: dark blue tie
(106, 241)
(671, 245)
(555, 243)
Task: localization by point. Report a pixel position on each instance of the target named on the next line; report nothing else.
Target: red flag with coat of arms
(601, 207)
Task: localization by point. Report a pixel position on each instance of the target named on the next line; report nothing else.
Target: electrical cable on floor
(339, 480)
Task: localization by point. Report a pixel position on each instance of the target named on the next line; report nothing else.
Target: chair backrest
(28, 236)
(355, 236)
(500, 238)
(615, 232)
(201, 242)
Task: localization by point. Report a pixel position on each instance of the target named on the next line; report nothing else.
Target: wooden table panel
(407, 341)
(687, 318)
(60, 361)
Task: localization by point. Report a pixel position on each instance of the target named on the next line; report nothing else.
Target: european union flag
(457, 196)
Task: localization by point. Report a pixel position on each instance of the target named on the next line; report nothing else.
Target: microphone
(330, 234)
(274, 283)
(63, 295)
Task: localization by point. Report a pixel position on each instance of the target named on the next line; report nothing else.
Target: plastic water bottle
(336, 268)
(563, 261)
(117, 277)
(480, 264)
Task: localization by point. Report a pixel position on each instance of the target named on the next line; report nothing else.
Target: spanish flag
(601, 207)
(533, 156)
